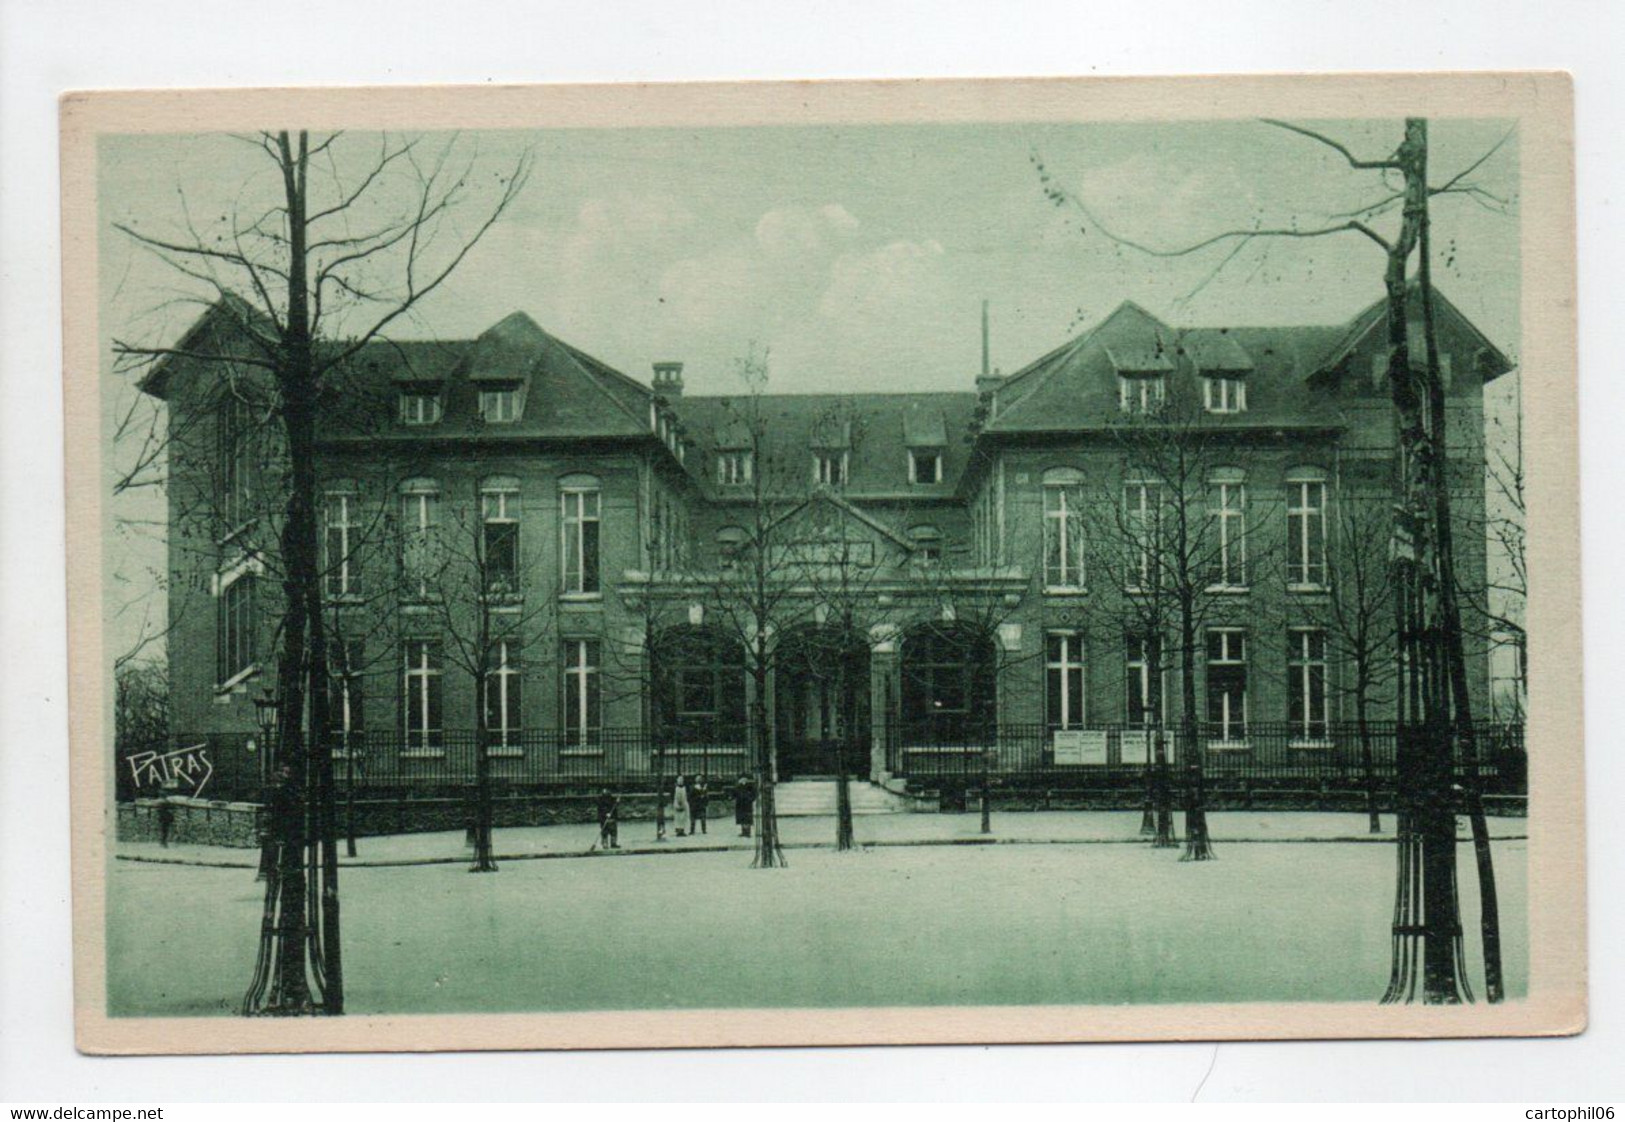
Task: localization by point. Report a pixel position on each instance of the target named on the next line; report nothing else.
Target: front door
(817, 734)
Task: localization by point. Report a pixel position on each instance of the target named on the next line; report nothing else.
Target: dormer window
(420, 405)
(829, 468)
(499, 403)
(734, 469)
(1224, 394)
(1141, 393)
(925, 465)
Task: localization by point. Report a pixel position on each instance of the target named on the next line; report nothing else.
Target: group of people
(691, 797)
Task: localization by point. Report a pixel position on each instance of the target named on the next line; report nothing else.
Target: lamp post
(267, 709)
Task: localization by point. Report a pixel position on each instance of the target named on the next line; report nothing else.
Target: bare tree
(1434, 699)
(276, 274)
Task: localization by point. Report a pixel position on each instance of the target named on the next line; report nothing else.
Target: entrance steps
(802, 798)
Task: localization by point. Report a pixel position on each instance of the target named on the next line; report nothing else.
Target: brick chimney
(669, 379)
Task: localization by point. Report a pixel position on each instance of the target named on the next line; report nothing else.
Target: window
(420, 405)
(1227, 686)
(234, 632)
(1224, 395)
(236, 455)
(421, 696)
(699, 681)
(949, 689)
(1063, 533)
(499, 516)
(1228, 550)
(1306, 685)
(339, 571)
(502, 708)
(579, 498)
(345, 722)
(924, 465)
(1306, 530)
(829, 468)
(927, 544)
(1064, 680)
(420, 520)
(1146, 704)
(1140, 393)
(499, 404)
(730, 541)
(1142, 508)
(583, 700)
(734, 468)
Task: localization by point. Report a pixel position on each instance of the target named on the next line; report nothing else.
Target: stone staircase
(801, 798)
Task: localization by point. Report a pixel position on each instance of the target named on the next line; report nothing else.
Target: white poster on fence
(1136, 746)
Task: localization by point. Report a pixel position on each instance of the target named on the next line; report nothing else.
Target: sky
(856, 257)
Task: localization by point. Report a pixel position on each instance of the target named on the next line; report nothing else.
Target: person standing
(609, 815)
(697, 798)
(744, 804)
(166, 810)
(680, 806)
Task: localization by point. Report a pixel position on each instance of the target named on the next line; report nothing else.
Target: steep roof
(877, 427)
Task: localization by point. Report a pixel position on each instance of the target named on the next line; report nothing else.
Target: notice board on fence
(1080, 746)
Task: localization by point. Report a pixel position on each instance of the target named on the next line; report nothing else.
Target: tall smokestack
(986, 370)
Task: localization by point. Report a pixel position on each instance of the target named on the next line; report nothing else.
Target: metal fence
(1278, 753)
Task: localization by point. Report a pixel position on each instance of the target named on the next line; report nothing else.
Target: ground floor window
(1063, 693)
(699, 677)
(502, 698)
(1227, 685)
(423, 718)
(1146, 703)
(949, 688)
(583, 694)
(1306, 684)
(345, 709)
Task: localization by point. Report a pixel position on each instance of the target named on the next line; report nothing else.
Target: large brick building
(603, 514)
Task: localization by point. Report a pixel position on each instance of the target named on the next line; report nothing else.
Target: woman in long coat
(744, 804)
(680, 806)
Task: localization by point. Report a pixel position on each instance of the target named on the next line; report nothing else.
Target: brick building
(597, 516)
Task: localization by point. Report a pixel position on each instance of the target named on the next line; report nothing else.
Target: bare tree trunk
(769, 853)
(1198, 846)
(1368, 766)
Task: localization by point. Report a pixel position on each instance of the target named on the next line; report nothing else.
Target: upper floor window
(234, 629)
(1306, 529)
(420, 523)
(735, 469)
(579, 529)
(1063, 529)
(1224, 395)
(420, 405)
(925, 465)
(236, 460)
(1142, 516)
(1227, 551)
(1140, 393)
(340, 574)
(499, 404)
(829, 468)
(499, 533)
(730, 542)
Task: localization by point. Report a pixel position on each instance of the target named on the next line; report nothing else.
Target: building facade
(515, 534)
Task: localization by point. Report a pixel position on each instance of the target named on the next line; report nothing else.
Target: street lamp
(266, 711)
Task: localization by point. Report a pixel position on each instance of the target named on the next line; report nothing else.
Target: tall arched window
(949, 689)
(1306, 528)
(340, 528)
(1063, 528)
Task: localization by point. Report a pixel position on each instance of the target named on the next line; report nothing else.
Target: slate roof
(879, 423)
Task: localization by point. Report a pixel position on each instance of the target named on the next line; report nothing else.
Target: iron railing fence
(391, 764)
(1108, 755)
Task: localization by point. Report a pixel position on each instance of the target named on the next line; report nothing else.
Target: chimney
(669, 379)
(985, 369)
(987, 381)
